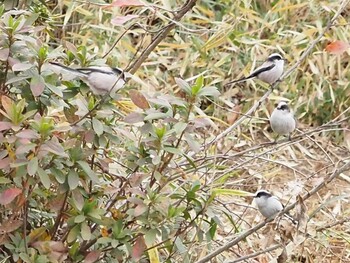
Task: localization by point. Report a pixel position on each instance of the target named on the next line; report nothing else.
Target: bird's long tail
(74, 71)
(237, 81)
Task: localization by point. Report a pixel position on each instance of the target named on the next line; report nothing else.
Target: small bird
(269, 205)
(282, 120)
(270, 71)
(101, 80)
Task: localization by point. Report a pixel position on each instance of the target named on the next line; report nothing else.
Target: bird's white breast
(282, 122)
(273, 74)
(268, 206)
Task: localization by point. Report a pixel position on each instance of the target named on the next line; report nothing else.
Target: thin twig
(160, 36)
(253, 255)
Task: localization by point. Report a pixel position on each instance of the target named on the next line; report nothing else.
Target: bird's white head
(275, 57)
(283, 106)
(262, 193)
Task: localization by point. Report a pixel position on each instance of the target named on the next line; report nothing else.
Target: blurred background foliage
(129, 181)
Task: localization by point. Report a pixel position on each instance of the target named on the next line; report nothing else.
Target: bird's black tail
(75, 71)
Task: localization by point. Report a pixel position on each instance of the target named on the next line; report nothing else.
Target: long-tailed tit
(269, 205)
(270, 71)
(282, 119)
(101, 80)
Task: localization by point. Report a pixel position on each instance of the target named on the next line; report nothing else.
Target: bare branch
(161, 35)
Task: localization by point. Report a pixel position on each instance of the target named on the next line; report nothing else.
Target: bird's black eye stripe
(260, 194)
(276, 57)
(284, 107)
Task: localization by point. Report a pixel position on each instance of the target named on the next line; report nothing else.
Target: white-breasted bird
(101, 80)
(282, 119)
(270, 71)
(269, 205)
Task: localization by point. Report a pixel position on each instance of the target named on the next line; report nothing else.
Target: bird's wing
(264, 67)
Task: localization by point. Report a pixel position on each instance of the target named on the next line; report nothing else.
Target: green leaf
(32, 166)
(97, 126)
(79, 219)
(183, 85)
(209, 91)
(86, 168)
(73, 234)
(156, 116)
(4, 180)
(85, 231)
(150, 237)
(73, 179)
(44, 178)
(219, 191)
(173, 150)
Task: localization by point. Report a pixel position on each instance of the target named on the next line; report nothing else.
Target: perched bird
(269, 205)
(282, 120)
(101, 80)
(270, 71)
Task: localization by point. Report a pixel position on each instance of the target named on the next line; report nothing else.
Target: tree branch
(161, 35)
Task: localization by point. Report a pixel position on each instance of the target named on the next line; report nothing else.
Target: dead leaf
(337, 47)
(139, 99)
(10, 226)
(283, 256)
(301, 213)
(233, 116)
(120, 20)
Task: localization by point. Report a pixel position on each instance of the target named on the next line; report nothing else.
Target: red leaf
(337, 47)
(138, 99)
(93, 256)
(121, 3)
(120, 20)
(9, 195)
(138, 248)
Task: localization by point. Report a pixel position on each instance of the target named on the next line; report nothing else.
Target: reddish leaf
(139, 248)
(138, 99)
(93, 256)
(21, 66)
(121, 3)
(4, 125)
(6, 104)
(10, 226)
(4, 163)
(37, 85)
(134, 117)
(27, 134)
(120, 20)
(9, 195)
(4, 54)
(337, 47)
